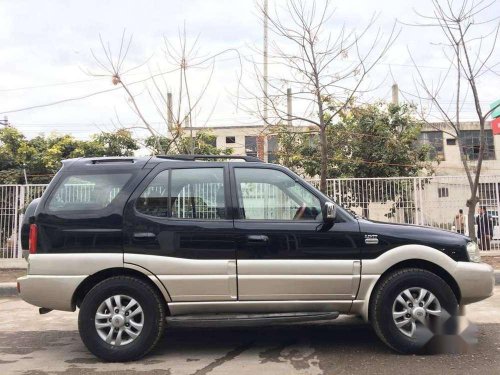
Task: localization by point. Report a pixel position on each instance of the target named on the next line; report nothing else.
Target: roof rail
(201, 157)
(112, 160)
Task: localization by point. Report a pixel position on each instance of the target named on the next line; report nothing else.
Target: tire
(144, 328)
(383, 304)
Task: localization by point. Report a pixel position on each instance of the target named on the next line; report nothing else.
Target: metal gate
(429, 201)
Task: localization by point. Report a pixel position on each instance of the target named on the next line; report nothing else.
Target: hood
(392, 235)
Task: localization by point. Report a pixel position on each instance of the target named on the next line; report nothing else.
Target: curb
(8, 289)
(13, 264)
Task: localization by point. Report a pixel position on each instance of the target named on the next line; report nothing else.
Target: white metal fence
(433, 201)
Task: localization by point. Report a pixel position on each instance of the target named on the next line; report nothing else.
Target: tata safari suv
(138, 244)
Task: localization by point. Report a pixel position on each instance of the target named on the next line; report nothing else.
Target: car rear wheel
(121, 319)
(407, 307)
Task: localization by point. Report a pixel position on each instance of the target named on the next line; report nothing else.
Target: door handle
(257, 238)
(143, 236)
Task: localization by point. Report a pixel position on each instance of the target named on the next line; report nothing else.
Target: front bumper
(52, 292)
(475, 280)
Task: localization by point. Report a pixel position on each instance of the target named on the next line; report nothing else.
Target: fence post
(421, 200)
(20, 215)
(415, 199)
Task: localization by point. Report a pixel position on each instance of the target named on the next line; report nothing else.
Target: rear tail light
(33, 238)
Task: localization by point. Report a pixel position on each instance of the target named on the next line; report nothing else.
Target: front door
(178, 228)
(284, 250)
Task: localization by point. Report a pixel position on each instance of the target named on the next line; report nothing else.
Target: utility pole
(266, 102)
(395, 94)
(289, 105)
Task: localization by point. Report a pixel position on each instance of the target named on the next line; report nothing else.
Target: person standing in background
(484, 228)
(460, 222)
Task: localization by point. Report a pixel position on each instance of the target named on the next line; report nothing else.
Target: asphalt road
(50, 344)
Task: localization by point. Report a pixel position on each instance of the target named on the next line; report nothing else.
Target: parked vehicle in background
(189, 240)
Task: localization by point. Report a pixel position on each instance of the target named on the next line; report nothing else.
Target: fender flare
(373, 269)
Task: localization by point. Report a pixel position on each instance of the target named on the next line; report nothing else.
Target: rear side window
(196, 193)
(87, 192)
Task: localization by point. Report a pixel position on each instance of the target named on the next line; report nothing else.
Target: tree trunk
(324, 159)
(471, 204)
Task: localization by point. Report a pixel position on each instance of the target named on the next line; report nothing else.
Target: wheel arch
(443, 268)
(88, 283)
(425, 265)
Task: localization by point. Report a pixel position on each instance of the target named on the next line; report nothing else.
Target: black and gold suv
(138, 244)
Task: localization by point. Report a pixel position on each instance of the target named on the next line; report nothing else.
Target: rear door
(284, 252)
(178, 227)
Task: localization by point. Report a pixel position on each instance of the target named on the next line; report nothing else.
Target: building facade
(261, 142)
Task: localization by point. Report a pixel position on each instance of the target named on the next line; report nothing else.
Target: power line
(88, 95)
(52, 85)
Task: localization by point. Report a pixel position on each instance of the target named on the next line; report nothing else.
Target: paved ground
(49, 344)
(10, 275)
(493, 261)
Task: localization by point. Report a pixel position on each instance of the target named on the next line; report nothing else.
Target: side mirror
(329, 212)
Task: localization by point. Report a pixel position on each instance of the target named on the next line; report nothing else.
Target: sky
(47, 48)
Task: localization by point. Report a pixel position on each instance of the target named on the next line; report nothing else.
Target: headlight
(473, 251)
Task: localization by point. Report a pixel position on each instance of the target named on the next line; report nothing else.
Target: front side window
(196, 193)
(267, 194)
(87, 192)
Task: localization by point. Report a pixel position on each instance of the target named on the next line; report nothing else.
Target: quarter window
(267, 194)
(87, 192)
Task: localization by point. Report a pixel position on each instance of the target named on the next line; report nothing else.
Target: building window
(435, 140)
(251, 146)
(272, 149)
(488, 194)
(451, 142)
(230, 139)
(443, 192)
(471, 142)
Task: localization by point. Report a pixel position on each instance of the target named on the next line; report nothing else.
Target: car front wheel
(408, 307)
(121, 319)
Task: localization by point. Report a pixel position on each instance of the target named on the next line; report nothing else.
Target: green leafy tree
(375, 140)
(204, 143)
(41, 156)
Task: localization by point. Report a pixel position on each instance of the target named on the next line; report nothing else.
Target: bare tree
(327, 68)
(469, 50)
(181, 58)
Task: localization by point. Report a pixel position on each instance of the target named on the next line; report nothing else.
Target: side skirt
(246, 320)
(258, 307)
